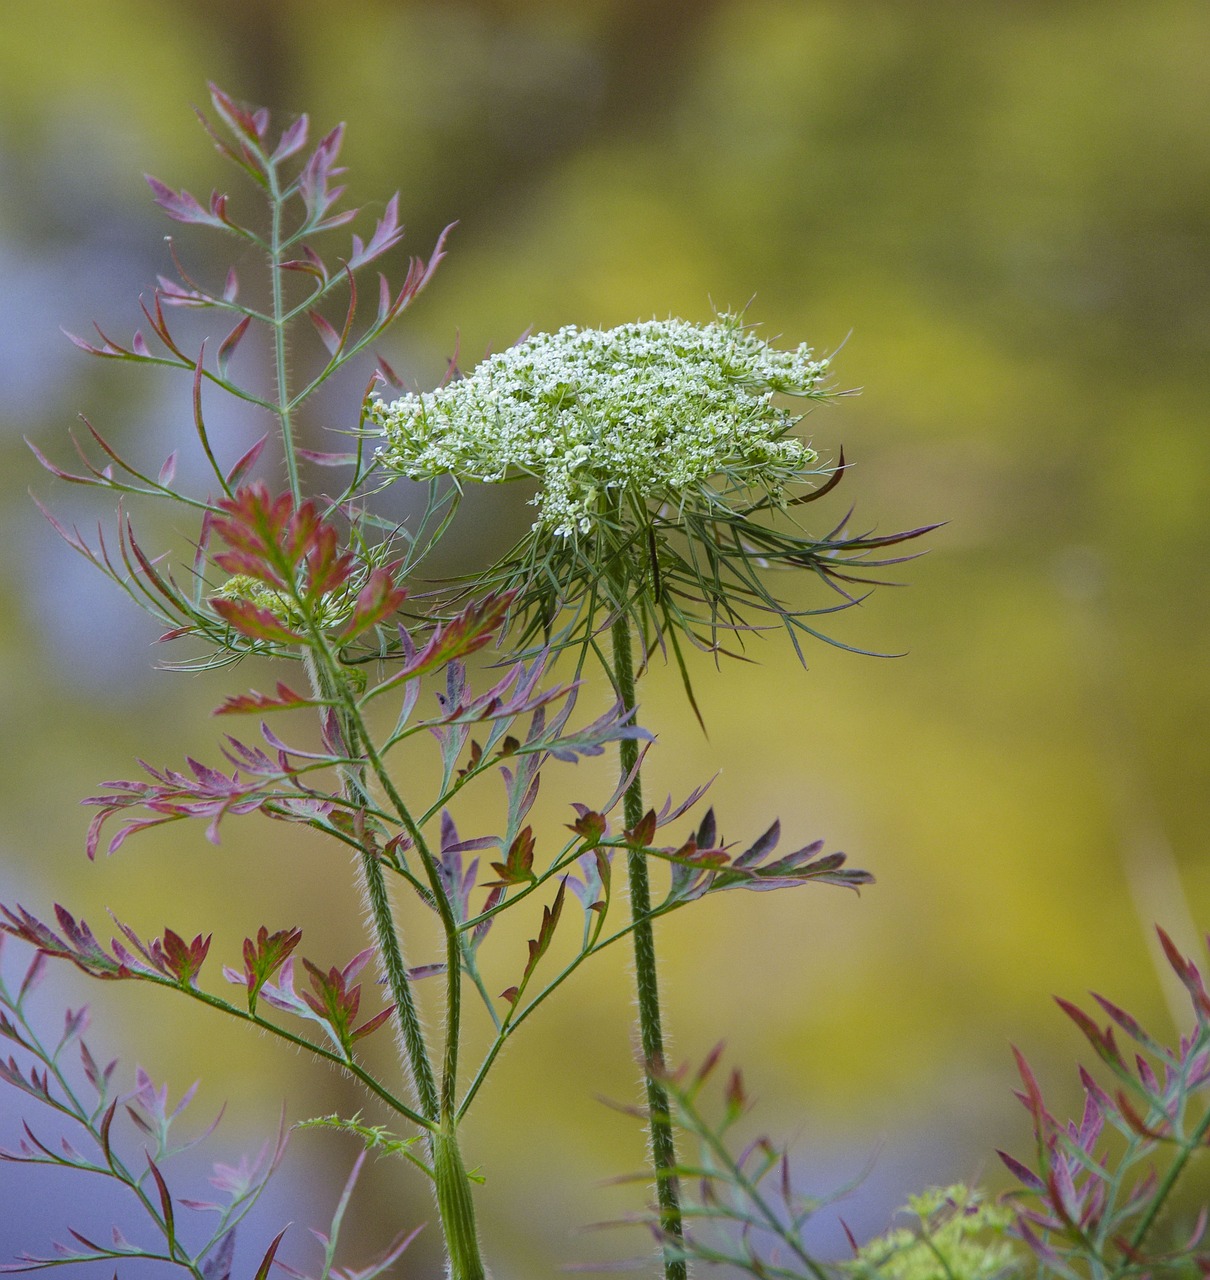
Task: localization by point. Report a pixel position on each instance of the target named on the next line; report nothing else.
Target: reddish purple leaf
(254, 622)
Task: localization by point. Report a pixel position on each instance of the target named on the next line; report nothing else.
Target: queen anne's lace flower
(660, 410)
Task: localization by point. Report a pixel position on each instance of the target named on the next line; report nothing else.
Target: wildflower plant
(99, 1127)
(626, 541)
(1121, 1192)
(666, 473)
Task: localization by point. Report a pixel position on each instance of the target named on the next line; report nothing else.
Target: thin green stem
(328, 685)
(452, 1185)
(651, 1033)
(283, 408)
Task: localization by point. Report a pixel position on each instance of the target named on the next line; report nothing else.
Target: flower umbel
(661, 410)
(667, 473)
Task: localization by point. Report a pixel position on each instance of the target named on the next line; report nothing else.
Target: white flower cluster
(655, 409)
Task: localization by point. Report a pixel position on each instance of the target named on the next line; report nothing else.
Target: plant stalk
(281, 363)
(651, 1033)
(452, 1186)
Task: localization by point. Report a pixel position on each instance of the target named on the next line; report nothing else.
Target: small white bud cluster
(656, 409)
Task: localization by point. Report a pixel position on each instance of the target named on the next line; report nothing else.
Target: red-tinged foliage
(539, 946)
(337, 1002)
(180, 958)
(283, 699)
(518, 866)
(169, 957)
(202, 793)
(253, 622)
(476, 626)
(228, 345)
(271, 540)
(1089, 1207)
(592, 826)
(641, 835)
(1102, 1041)
(376, 601)
(266, 1263)
(735, 1097)
(264, 957)
(1188, 973)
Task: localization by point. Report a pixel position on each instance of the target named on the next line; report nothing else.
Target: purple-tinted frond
(282, 700)
(314, 181)
(418, 275)
(1189, 974)
(668, 812)
(388, 232)
(181, 206)
(593, 738)
(1091, 1123)
(1147, 1077)
(176, 295)
(1102, 1041)
(1035, 1243)
(1022, 1173)
(377, 600)
(310, 264)
(292, 140)
(1044, 1122)
(327, 334)
(337, 219)
(253, 622)
(59, 474)
(1129, 1024)
(78, 944)
(251, 125)
(228, 345)
(596, 869)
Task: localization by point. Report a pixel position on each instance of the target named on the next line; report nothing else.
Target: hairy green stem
(438, 1107)
(452, 1185)
(283, 406)
(651, 1033)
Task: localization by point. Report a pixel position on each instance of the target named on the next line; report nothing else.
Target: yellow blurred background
(1002, 211)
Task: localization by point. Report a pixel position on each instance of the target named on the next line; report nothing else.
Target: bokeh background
(1002, 211)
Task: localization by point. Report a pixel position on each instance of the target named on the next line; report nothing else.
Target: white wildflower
(660, 410)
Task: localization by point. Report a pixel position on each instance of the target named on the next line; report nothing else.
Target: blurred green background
(1002, 210)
